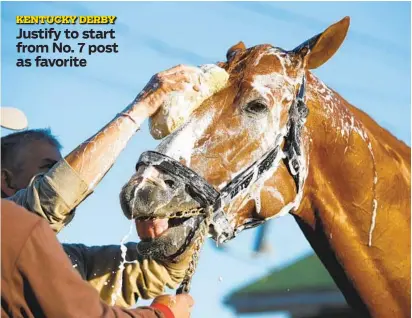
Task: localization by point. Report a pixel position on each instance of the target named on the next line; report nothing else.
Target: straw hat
(12, 118)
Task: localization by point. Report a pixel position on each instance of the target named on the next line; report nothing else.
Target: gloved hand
(179, 305)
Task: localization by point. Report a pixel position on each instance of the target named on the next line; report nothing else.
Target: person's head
(25, 154)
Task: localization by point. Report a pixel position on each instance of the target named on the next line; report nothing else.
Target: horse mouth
(167, 217)
(167, 239)
(150, 229)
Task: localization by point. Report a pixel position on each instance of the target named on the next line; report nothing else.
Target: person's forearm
(94, 157)
(141, 278)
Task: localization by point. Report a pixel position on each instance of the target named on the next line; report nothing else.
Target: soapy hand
(178, 78)
(178, 106)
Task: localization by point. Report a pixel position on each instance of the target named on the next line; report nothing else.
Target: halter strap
(298, 113)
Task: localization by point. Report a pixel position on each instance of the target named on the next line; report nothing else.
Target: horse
(284, 142)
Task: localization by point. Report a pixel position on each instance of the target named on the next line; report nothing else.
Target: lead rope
(184, 287)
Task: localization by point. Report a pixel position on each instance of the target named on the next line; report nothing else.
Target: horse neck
(355, 210)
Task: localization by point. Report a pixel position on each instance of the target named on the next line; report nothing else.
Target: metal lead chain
(184, 287)
(187, 213)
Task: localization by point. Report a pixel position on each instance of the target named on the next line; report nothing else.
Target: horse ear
(234, 49)
(317, 50)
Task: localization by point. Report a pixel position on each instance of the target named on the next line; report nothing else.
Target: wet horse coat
(354, 202)
(356, 207)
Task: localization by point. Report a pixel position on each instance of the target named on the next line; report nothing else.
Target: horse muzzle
(154, 195)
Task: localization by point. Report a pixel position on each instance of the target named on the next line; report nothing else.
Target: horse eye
(256, 107)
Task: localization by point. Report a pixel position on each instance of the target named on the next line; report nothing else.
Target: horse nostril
(170, 183)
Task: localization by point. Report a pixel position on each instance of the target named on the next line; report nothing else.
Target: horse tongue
(151, 228)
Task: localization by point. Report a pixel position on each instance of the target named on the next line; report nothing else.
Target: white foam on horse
(284, 58)
(373, 222)
(181, 144)
(266, 85)
(275, 193)
(374, 202)
(270, 51)
(347, 125)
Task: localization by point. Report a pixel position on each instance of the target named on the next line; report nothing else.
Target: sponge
(178, 106)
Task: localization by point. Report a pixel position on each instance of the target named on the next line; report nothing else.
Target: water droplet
(123, 249)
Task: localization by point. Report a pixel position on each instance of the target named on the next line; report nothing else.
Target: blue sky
(371, 70)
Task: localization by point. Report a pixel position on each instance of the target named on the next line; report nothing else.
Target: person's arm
(53, 195)
(57, 290)
(93, 158)
(140, 278)
(56, 194)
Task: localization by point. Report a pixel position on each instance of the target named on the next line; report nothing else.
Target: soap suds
(123, 249)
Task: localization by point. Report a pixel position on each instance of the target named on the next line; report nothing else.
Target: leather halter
(208, 196)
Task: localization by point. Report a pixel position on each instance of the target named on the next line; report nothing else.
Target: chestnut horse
(345, 179)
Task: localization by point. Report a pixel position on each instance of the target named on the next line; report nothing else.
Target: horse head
(247, 137)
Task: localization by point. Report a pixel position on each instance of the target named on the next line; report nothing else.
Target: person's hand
(178, 78)
(180, 305)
